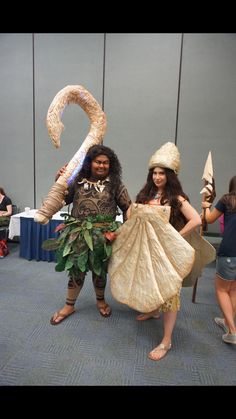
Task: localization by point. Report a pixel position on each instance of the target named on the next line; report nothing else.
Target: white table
(14, 225)
(33, 234)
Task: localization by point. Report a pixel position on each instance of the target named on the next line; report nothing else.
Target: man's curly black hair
(115, 170)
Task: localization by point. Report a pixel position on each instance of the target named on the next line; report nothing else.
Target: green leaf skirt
(83, 245)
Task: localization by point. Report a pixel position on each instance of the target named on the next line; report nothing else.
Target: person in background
(97, 190)
(5, 210)
(225, 279)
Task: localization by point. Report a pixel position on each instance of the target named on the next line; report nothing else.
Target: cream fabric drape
(149, 259)
(204, 253)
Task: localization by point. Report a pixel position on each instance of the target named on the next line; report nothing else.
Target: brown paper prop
(149, 259)
(79, 95)
(205, 252)
(208, 192)
(208, 177)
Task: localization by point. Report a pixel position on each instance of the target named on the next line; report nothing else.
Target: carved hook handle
(79, 95)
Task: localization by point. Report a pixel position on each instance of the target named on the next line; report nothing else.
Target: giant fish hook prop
(70, 94)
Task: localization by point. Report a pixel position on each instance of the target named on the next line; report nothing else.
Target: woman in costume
(150, 257)
(95, 193)
(225, 279)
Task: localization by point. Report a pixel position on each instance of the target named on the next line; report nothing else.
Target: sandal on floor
(147, 316)
(159, 352)
(59, 314)
(105, 310)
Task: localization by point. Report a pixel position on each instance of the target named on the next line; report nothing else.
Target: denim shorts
(226, 267)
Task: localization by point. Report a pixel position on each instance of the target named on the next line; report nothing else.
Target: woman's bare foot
(159, 352)
(146, 316)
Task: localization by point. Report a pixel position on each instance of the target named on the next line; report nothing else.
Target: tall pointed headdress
(167, 157)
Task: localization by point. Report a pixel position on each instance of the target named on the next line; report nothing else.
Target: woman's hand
(210, 216)
(206, 204)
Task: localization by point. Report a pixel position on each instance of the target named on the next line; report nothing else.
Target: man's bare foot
(146, 316)
(159, 352)
(62, 314)
(103, 308)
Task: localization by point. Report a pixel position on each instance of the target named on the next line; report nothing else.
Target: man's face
(100, 167)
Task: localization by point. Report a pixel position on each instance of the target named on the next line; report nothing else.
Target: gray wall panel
(207, 115)
(16, 118)
(61, 60)
(141, 86)
(140, 97)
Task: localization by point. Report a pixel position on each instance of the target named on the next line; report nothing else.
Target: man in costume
(96, 193)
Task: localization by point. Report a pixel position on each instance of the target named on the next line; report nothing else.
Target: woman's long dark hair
(173, 189)
(230, 198)
(2, 191)
(115, 170)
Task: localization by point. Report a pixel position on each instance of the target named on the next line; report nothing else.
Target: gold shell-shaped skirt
(149, 259)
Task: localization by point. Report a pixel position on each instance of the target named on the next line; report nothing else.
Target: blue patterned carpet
(89, 350)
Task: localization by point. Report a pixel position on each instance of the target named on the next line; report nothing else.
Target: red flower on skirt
(110, 235)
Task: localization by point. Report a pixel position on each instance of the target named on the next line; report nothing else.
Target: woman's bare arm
(191, 215)
(210, 216)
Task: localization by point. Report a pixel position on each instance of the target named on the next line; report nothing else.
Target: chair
(15, 210)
